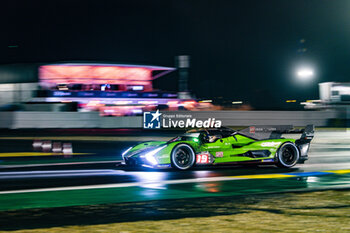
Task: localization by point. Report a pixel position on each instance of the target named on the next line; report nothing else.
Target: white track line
(58, 164)
(56, 171)
(330, 166)
(123, 185)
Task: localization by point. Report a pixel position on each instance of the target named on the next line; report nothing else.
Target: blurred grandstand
(112, 89)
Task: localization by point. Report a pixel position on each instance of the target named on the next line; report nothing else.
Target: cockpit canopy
(212, 135)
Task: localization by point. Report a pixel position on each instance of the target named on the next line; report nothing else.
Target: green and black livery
(221, 146)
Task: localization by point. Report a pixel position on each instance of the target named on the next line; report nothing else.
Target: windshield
(186, 137)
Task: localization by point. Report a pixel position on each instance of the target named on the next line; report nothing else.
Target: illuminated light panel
(291, 101)
(93, 103)
(109, 110)
(172, 102)
(94, 74)
(137, 88)
(136, 110)
(148, 102)
(123, 102)
(186, 103)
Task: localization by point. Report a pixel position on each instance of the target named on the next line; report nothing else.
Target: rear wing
(307, 135)
(275, 132)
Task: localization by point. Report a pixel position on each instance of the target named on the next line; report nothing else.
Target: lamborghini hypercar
(220, 146)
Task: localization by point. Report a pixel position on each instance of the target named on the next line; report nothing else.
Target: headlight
(124, 153)
(150, 155)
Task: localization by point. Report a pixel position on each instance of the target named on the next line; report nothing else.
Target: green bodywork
(230, 149)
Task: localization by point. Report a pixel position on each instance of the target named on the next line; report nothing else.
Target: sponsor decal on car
(268, 160)
(270, 144)
(202, 158)
(219, 154)
(252, 129)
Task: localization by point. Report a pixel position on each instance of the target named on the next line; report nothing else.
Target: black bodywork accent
(135, 161)
(266, 132)
(303, 143)
(255, 154)
(131, 161)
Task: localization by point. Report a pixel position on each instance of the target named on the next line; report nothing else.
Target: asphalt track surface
(92, 177)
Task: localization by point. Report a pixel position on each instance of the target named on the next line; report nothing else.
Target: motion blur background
(77, 76)
(245, 55)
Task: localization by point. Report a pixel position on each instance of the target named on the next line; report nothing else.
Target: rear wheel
(183, 157)
(287, 155)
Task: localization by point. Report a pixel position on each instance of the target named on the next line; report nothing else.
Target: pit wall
(17, 92)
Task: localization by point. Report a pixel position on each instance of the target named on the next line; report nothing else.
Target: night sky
(240, 50)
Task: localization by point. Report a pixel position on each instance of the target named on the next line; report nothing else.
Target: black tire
(287, 155)
(182, 157)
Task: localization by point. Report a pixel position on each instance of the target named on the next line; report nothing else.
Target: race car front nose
(149, 156)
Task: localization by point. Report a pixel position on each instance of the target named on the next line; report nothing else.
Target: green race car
(220, 146)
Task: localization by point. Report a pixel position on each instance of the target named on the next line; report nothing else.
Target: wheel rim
(183, 157)
(288, 155)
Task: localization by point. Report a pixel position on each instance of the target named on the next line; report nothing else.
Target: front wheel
(183, 157)
(287, 155)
